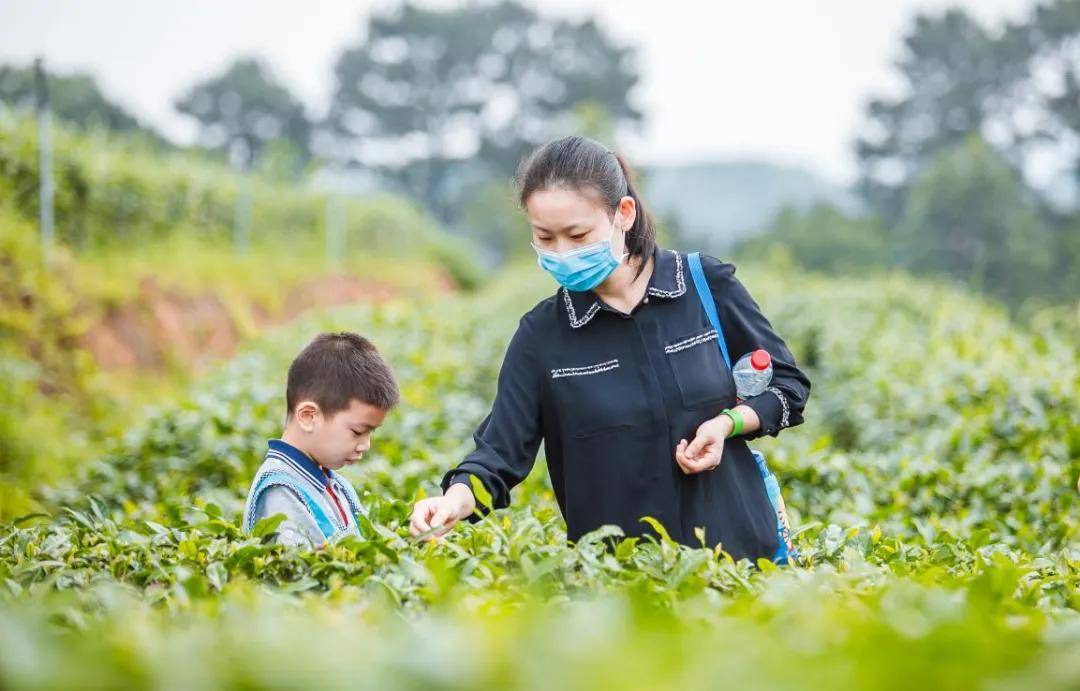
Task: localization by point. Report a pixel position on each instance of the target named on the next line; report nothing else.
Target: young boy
(339, 390)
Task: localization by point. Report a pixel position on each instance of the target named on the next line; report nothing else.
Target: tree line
(439, 104)
(945, 168)
(435, 102)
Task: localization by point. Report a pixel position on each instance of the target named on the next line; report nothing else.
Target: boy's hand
(441, 513)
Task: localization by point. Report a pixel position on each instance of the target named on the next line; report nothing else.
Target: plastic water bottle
(752, 373)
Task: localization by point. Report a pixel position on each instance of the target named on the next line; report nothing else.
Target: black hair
(336, 368)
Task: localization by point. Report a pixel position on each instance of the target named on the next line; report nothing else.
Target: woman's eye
(579, 237)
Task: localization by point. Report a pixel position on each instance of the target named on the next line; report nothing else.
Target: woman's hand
(707, 448)
(441, 513)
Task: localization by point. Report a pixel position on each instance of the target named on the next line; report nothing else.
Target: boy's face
(340, 439)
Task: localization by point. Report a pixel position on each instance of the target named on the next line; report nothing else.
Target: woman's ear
(627, 210)
(306, 414)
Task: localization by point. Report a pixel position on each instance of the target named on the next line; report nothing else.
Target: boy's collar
(300, 460)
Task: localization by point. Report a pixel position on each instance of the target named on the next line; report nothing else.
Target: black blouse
(611, 394)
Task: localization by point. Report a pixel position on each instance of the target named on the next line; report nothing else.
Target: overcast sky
(779, 80)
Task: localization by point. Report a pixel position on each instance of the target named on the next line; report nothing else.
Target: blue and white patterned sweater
(319, 505)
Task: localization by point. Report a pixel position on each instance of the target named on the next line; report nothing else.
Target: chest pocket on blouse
(597, 397)
(699, 370)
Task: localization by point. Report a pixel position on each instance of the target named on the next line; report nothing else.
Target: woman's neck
(621, 289)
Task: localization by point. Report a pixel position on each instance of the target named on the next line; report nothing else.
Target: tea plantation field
(933, 490)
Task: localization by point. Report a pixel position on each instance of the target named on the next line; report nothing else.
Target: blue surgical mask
(582, 268)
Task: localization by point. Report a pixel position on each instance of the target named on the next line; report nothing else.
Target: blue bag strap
(772, 488)
(707, 302)
(277, 479)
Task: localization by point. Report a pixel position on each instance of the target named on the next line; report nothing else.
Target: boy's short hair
(334, 369)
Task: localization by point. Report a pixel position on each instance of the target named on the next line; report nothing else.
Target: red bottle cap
(760, 359)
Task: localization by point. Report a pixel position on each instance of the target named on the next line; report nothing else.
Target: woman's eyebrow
(569, 227)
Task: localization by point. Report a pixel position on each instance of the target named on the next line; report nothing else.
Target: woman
(620, 375)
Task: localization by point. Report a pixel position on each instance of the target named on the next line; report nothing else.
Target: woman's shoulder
(543, 315)
(717, 269)
(719, 274)
(533, 326)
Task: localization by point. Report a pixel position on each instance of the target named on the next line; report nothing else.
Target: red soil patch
(163, 326)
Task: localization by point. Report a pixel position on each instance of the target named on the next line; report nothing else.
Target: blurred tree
(429, 93)
(1016, 88)
(243, 111)
(283, 159)
(1052, 37)
(955, 77)
(1065, 107)
(1066, 276)
(75, 98)
(823, 238)
(970, 216)
(492, 218)
(974, 98)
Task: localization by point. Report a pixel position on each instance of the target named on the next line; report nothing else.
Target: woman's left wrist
(727, 425)
(732, 421)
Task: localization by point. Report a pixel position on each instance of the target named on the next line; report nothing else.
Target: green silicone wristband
(736, 418)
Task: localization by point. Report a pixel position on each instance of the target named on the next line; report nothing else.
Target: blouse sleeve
(509, 437)
(746, 328)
